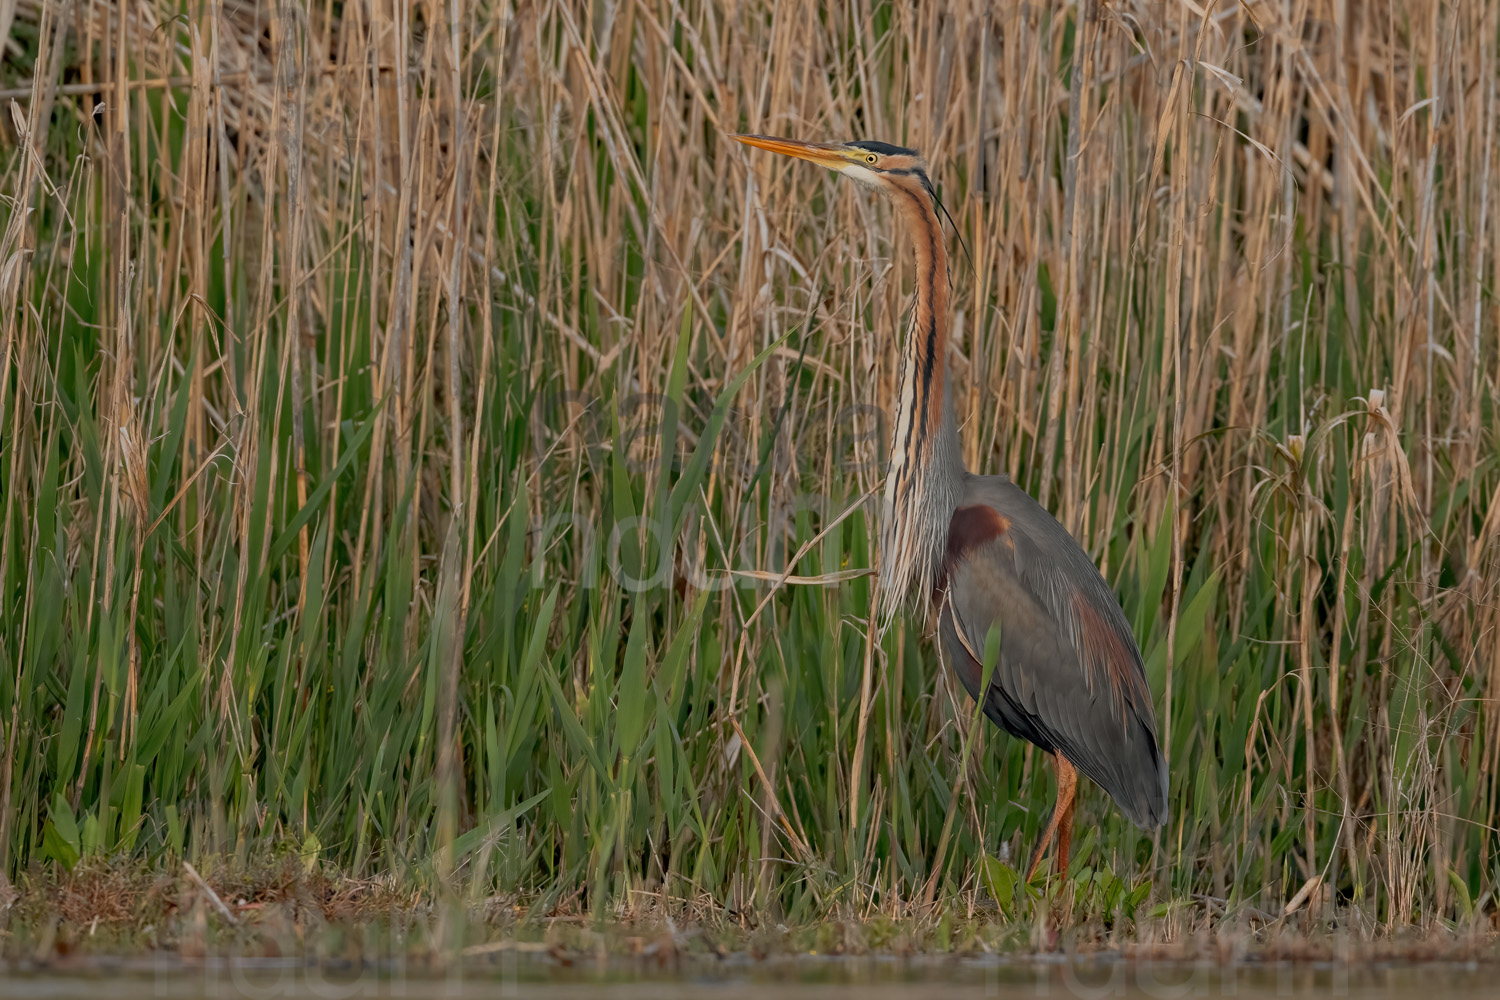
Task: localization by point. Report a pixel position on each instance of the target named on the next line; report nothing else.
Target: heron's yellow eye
(871, 158)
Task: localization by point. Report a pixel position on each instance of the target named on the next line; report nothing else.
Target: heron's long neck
(926, 473)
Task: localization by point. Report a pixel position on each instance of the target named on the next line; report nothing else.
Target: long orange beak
(822, 153)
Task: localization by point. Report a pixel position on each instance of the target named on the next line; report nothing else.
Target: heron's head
(878, 164)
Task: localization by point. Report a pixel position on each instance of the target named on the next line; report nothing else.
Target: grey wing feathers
(1070, 676)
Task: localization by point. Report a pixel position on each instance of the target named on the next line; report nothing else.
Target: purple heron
(1069, 677)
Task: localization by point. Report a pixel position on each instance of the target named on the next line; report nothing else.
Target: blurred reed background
(409, 412)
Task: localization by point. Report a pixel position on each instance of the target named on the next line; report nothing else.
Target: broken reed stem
(105, 86)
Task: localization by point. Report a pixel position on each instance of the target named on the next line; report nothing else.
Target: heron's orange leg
(1065, 827)
(1061, 821)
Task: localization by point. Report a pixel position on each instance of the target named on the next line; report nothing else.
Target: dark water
(733, 979)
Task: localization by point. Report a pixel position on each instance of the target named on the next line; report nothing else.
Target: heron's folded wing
(1063, 664)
